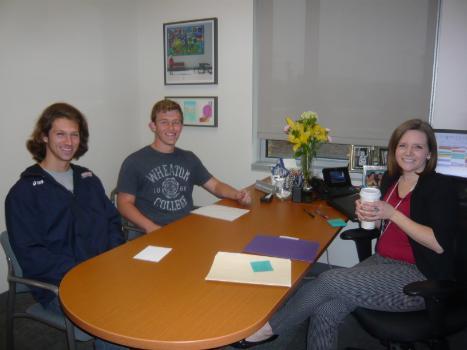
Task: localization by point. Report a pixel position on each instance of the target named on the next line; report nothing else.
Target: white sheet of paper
(152, 253)
(236, 267)
(220, 212)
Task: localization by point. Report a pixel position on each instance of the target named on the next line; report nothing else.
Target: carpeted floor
(31, 335)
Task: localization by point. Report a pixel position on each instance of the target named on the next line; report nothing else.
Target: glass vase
(307, 171)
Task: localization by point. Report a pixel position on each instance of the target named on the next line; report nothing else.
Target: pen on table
(320, 213)
(309, 213)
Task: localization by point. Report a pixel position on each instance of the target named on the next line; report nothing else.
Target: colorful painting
(197, 111)
(185, 40)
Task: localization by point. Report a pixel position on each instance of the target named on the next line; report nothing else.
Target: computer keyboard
(346, 205)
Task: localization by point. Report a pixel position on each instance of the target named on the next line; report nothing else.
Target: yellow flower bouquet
(306, 136)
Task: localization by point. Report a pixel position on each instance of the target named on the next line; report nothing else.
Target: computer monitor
(452, 152)
(337, 177)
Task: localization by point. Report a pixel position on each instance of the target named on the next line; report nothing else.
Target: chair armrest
(445, 302)
(434, 289)
(34, 283)
(359, 234)
(132, 227)
(362, 239)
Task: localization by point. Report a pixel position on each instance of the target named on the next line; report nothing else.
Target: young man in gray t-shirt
(155, 184)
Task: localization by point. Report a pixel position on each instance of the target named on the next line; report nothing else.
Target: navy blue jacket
(51, 229)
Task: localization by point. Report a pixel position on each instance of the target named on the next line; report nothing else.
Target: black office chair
(18, 284)
(130, 230)
(446, 301)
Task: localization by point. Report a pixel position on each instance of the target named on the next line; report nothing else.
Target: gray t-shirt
(162, 182)
(64, 178)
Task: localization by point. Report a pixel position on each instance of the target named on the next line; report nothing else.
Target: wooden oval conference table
(170, 305)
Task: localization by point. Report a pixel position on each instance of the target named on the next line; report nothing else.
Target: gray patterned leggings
(375, 283)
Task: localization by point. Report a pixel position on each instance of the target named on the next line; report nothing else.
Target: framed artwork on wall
(190, 52)
(372, 175)
(197, 110)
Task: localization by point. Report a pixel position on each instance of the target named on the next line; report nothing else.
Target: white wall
(82, 52)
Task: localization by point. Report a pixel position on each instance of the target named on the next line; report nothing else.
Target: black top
(434, 204)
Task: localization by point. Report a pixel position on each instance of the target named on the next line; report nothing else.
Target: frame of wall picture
(190, 52)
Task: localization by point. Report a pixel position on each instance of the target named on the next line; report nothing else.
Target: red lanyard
(384, 224)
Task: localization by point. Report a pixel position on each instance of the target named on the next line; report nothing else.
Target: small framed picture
(372, 175)
(197, 110)
(359, 156)
(190, 52)
(383, 156)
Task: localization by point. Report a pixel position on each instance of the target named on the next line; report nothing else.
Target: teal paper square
(337, 223)
(261, 266)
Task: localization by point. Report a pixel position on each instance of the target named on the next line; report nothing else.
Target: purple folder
(295, 249)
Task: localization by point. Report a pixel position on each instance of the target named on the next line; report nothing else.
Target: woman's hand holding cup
(373, 211)
(368, 207)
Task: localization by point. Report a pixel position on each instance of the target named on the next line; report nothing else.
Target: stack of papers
(252, 269)
(220, 212)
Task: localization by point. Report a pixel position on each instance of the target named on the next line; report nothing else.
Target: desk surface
(170, 305)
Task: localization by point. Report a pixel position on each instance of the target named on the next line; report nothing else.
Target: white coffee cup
(369, 194)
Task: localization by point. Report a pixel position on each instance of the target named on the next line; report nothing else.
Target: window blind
(364, 66)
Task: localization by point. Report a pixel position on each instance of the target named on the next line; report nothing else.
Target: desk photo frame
(372, 175)
(359, 156)
(383, 155)
(190, 52)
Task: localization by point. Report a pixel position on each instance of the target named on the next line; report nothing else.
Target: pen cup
(369, 194)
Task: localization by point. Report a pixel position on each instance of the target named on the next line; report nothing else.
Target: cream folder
(236, 267)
